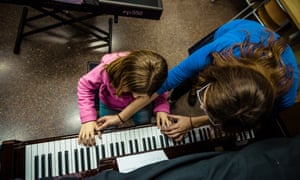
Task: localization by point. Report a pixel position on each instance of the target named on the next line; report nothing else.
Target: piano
(146, 9)
(63, 156)
(62, 12)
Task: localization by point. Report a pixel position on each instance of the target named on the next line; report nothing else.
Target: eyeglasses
(200, 94)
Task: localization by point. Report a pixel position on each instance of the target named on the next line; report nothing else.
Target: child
(119, 79)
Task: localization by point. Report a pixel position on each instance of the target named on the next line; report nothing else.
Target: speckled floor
(38, 86)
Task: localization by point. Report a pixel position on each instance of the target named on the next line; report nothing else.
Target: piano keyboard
(63, 157)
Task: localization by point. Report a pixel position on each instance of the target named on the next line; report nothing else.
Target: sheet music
(129, 163)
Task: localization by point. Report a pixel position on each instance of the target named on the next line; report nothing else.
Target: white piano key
(53, 162)
(98, 144)
(144, 139)
(28, 163)
(137, 134)
(150, 135)
(56, 150)
(113, 143)
(78, 147)
(63, 157)
(125, 138)
(38, 154)
(252, 133)
(106, 140)
(73, 143)
(34, 152)
(156, 132)
(83, 149)
(131, 138)
(247, 135)
(39, 151)
(93, 157)
(119, 139)
(45, 151)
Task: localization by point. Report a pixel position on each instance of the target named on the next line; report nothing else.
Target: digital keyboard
(61, 156)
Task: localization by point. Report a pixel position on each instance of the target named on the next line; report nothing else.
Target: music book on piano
(132, 162)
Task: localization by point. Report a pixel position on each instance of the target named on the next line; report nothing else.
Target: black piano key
(154, 142)
(194, 135)
(49, 165)
(208, 133)
(123, 148)
(136, 145)
(103, 151)
(144, 144)
(131, 147)
(82, 159)
(43, 161)
(183, 141)
(60, 164)
(67, 162)
(174, 142)
(111, 146)
(201, 135)
(97, 153)
(190, 137)
(76, 160)
(118, 149)
(167, 141)
(36, 167)
(149, 143)
(162, 141)
(88, 155)
(205, 134)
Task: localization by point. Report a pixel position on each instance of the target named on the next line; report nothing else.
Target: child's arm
(135, 106)
(162, 109)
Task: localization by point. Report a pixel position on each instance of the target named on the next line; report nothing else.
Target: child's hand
(106, 121)
(162, 120)
(86, 135)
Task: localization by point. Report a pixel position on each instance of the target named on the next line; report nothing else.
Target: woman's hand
(181, 125)
(86, 134)
(162, 120)
(106, 121)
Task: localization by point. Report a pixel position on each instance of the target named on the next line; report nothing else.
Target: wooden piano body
(62, 156)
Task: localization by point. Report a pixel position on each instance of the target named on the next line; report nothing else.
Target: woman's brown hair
(243, 89)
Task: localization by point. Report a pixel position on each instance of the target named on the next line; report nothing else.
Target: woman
(243, 58)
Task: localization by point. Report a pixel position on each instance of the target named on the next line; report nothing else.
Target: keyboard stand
(65, 18)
